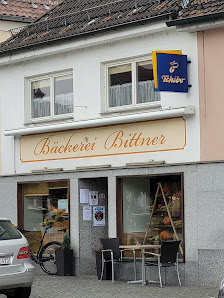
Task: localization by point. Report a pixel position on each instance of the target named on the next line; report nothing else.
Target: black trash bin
(107, 274)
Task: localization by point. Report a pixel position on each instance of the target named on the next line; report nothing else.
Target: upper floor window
(131, 84)
(51, 96)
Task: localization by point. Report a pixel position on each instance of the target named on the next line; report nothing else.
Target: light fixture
(93, 167)
(47, 170)
(147, 163)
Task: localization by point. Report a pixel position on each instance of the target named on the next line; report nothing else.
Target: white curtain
(121, 95)
(63, 104)
(146, 93)
(41, 107)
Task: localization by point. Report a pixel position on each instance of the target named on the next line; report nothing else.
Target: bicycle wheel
(47, 257)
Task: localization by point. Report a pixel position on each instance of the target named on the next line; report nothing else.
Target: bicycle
(45, 255)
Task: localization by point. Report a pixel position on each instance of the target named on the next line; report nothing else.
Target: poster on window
(93, 198)
(99, 216)
(84, 196)
(87, 213)
(63, 205)
(102, 197)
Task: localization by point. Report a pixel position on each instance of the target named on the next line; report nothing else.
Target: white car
(16, 271)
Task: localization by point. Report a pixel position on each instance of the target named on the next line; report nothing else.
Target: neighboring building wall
(4, 35)
(211, 64)
(5, 26)
(0, 146)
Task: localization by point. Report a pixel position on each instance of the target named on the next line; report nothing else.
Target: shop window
(51, 96)
(130, 84)
(43, 203)
(152, 210)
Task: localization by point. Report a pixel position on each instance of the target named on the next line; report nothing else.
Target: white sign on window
(87, 213)
(84, 196)
(63, 204)
(93, 197)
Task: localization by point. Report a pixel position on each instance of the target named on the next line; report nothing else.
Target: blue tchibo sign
(172, 72)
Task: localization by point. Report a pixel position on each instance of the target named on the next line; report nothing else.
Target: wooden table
(142, 248)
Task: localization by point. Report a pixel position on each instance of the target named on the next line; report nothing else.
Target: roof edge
(99, 31)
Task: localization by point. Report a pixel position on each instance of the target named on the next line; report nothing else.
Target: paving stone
(89, 286)
(47, 286)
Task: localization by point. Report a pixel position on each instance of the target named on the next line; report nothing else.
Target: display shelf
(36, 195)
(58, 187)
(172, 224)
(36, 208)
(160, 210)
(165, 226)
(141, 214)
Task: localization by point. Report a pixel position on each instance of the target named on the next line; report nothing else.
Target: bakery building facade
(90, 141)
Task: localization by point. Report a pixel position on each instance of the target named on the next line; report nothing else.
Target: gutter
(196, 19)
(152, 115)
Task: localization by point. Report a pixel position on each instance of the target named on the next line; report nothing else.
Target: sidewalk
(47, 286)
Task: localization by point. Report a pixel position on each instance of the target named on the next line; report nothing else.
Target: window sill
(49, 120)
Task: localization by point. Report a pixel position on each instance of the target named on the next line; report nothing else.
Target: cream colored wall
(211, 86)
(1, 138)
(5, 26)
(4, 35)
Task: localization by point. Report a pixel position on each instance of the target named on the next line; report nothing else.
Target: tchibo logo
(173, 66)
(169, 78)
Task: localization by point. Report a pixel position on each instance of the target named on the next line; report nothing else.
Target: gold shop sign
(147, 136)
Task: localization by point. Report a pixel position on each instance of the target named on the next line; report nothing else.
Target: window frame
(134, 105)
(119, 203)
(28, 107)
(20, 198)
